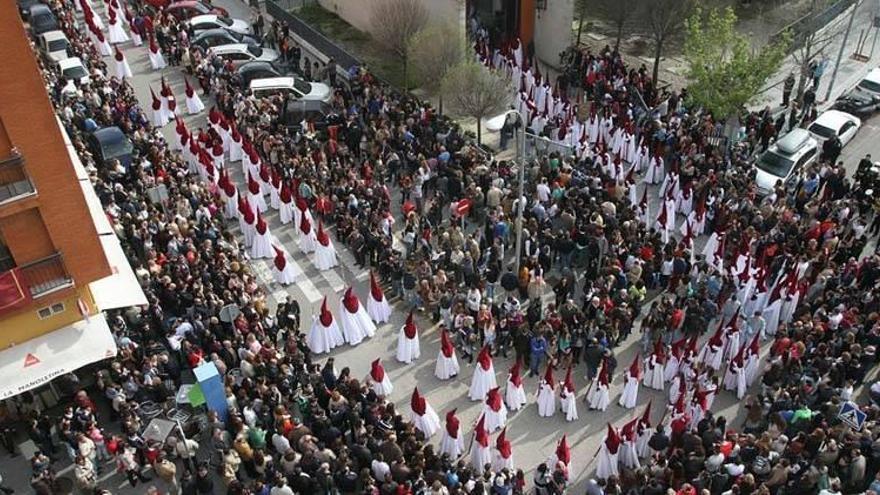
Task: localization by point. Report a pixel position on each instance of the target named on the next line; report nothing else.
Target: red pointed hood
(503, 444)
(100, 36)
(236, 136)
(563, 451)
(603, 373)
(326, 316)
(154, 47)
(679, 404)
(156, 104)
(717, 338)
(659, 350)
(249, 217)
(322, 236)
(276, 180)
(217, 150)
(418, 403)
(286, 197)
(755, 345)
(452, 424)
(165, 91)
(190, 92)
(350, 301)
(118, 54)
(254, 157)
(493, 399)
(409, 328)
(485, 358)
(230, 190)
(548, 377)
(377, 371)
(482, 435)
(635, 369)
(265, 173)
(253, 186)
(645, 420)
(612, 440)
(214, 116)
(446, 346)
(515, 374)
(568, 384)
(375, 289)
(280, 260)
(661, 217)
(301, 203)
(628, 431)
(305, 226)
(261, 224)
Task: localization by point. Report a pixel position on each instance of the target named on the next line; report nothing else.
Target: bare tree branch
(393, 23)
(474, 91)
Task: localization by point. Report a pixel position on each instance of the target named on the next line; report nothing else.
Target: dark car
(258, 69)
(216, 37)
(41, 19)
(109, 143)
(24, 7)
(859, 103)
(318, 113)
(189, 8)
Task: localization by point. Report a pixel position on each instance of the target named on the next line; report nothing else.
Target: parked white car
(54, 46)
(294, 87)
(835, 123)
(785, 159)
(214, 21)
(871, 82)
(239, 53)
(73, 71)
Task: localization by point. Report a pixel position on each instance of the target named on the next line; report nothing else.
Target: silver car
(239, 53)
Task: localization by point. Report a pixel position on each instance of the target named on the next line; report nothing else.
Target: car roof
(794, 142)
(273, 82)
(212, 32)
(55, 34)
(833, 119)
(202, 18)
(183, 3)
(109, 133)
(38, 7)
(873, 75)
(229, 48)
(70, 62)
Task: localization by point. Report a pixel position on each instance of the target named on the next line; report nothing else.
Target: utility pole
(520, 204)
(849, 24)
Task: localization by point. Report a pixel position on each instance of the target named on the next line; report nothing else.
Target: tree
(724, 73)
(475, 91)
(393, 23)
(618, 12)
(432, 59)
(664, 19)
(809, 43)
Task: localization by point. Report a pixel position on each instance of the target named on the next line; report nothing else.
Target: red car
(185, 9)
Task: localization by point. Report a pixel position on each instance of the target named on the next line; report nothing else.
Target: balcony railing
(46, 275)
(14, 180)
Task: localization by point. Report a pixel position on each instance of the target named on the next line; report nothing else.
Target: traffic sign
(851, 414)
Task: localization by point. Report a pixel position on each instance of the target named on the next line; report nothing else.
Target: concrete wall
(553, 30)
(357, 12)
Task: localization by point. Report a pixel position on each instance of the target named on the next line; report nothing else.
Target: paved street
(533, 438)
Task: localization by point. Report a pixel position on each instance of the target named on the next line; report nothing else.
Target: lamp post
(495, 124)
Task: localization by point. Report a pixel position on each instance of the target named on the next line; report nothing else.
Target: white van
(294, 87)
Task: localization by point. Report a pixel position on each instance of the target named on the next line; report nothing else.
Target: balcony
(45, 276)
(14, 180)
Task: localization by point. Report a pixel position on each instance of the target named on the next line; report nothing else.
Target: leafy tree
(433, 51)
(393, 23)
(475, 91)
(724, 72)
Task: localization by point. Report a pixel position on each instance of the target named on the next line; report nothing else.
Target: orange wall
(26, 236)
(30, 123)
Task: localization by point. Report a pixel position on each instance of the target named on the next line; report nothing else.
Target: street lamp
(495, 124)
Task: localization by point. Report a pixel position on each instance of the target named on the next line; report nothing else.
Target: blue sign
(851, 414)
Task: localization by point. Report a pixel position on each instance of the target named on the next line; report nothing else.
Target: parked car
(214, 21)
(109, 143)
(54, 46)
(834, 123)
(217, 37)
(239, 53)
(871, 82)
(858, 102)
(297, 112)
(257, 69)
(292, 87)
(74, 72)
(187, 9)
(41, 19)
(785, 159)
(24, 7)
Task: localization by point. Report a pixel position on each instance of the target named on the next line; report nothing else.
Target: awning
(37, 361)
(121, 289)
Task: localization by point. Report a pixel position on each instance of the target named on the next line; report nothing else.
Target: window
(50, 311)
(846, 127)
(7, 262)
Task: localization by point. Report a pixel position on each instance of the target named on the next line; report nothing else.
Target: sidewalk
(851, 71)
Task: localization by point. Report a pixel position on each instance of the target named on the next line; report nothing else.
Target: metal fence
(802, 28)
(537, 146)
